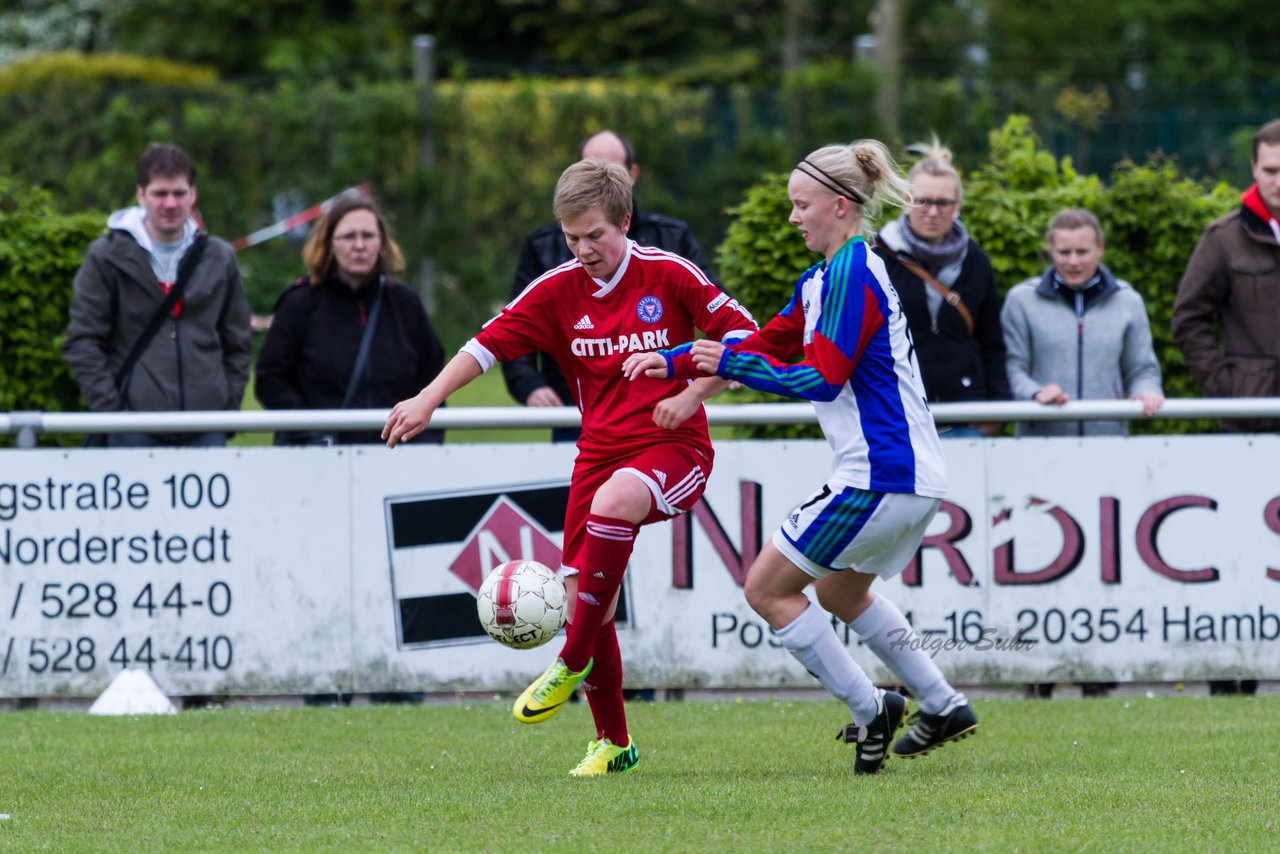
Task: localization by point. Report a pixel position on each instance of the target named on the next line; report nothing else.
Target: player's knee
(847, 601)
(828, 602)
(846, 605)
(757, 595)
(623, 497)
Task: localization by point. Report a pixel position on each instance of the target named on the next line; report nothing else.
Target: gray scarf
(944, 260)
(931, 256)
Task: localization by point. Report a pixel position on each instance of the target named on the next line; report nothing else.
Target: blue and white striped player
(842, 342)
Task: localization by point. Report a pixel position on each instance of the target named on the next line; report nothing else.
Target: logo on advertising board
(442, 546)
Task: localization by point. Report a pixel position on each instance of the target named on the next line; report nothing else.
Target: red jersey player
(644, 454)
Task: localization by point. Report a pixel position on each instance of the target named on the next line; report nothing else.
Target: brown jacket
(1232, 282)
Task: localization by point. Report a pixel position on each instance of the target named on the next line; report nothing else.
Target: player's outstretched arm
(410, 417)
(804, 380)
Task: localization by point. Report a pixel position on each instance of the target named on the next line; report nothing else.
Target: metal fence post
(424, 72)
(26, 425)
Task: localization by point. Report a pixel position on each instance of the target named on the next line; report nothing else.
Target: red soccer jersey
(655, 300)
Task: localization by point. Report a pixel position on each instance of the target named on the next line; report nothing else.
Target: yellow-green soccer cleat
(548, 693)
(605, 757)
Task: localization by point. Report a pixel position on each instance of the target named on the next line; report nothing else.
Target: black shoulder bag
(185, 270)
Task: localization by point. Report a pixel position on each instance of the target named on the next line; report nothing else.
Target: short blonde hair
(935, 160)
(593, 183)
(317, 253)
(863, 172)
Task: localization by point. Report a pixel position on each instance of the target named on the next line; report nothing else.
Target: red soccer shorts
(675, 473)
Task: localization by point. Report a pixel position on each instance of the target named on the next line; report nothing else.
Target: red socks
(604, 561)
(603, 687)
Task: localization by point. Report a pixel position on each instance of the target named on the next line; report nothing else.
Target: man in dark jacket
(537, 380)
(198, 357)
(1232, 285)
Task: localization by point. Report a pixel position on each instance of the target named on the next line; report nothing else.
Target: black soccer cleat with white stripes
(927, 731)
(873, 739)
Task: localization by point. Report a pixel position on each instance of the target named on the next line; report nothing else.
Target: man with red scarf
(1232, 284)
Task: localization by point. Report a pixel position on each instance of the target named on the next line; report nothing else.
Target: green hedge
(40, 251)
(75, 72)
(1150, 215)
(74, 126)
(499, 147)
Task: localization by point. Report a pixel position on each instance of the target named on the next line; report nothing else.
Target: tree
(40, 251)
(51, 25)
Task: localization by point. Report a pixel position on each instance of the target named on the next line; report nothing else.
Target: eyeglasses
(353, 236)
(940, 204)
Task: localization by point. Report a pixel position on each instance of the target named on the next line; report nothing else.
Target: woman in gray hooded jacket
(1078, 333)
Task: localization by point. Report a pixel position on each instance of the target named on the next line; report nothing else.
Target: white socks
(810, 638)
(883, 628)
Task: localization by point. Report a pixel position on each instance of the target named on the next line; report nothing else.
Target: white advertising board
(311, 570)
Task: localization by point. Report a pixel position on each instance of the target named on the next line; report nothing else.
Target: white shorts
(843, 527)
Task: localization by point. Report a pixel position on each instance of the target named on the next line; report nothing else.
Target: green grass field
(1116, 774)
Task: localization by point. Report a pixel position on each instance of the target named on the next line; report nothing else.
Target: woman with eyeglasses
(348, 335)
(948, 291)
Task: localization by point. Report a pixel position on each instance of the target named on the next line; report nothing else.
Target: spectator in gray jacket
(198, 357)
(1078, 333)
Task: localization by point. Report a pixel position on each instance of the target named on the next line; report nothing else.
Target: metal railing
(28, 425)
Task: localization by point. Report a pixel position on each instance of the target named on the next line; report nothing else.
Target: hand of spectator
(408, 418)
(1151, 401)
(543, 396)
(674, 411)
(707, 354)
(1051, 394)
(652, 365)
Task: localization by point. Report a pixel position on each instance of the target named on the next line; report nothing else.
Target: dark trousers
(167, 440)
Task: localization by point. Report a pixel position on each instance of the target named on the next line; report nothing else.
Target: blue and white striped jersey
(844, 324)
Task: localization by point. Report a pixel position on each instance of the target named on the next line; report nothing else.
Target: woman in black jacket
(309, 357)
(954, 320)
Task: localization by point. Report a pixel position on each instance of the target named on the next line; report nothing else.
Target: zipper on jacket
(1080, 354)
(177, 346)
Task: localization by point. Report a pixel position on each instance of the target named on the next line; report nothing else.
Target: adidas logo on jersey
(584, 323)
(794, 520)
(662, 478)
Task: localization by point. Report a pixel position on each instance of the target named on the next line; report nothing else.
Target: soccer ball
(522, 604)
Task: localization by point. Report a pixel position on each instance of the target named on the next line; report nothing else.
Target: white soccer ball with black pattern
(522, 604)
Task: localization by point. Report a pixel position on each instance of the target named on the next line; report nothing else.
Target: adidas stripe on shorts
(842, 527)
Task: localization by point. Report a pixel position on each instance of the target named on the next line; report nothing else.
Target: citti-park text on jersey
(651, 339)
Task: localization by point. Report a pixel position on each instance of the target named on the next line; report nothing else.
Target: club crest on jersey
(649, 309)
